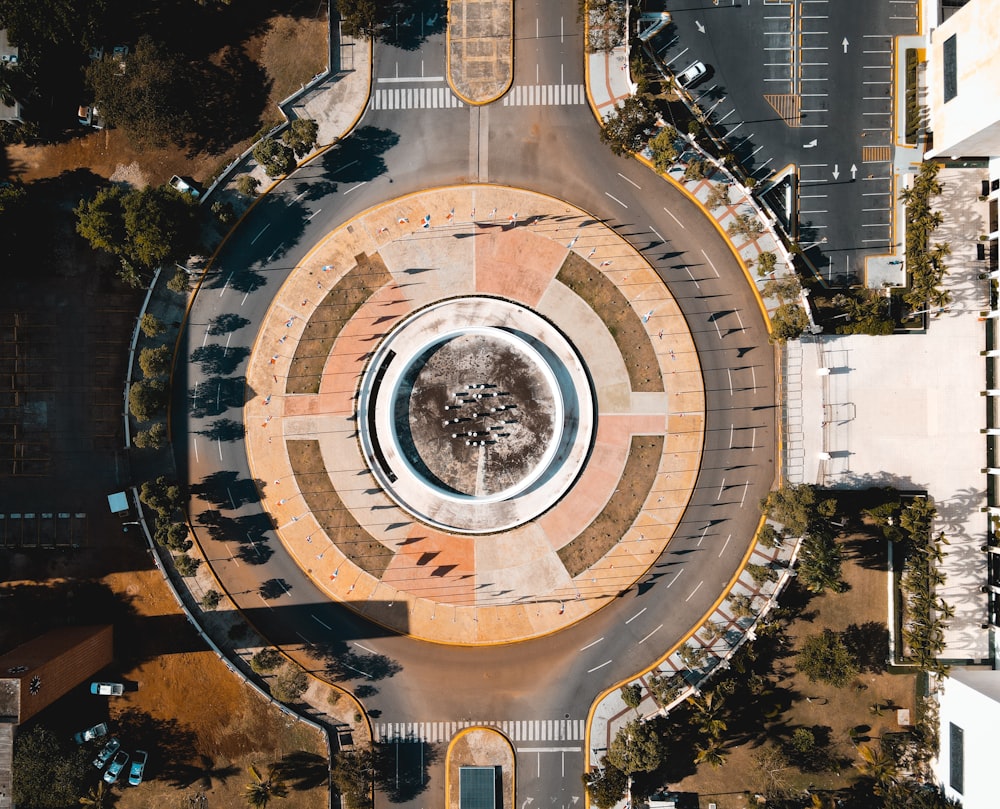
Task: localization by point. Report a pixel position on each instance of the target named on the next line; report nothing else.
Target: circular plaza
(475, 415)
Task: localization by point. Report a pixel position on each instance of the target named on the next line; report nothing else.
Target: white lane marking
(260, 233)
(753, 374)
(595, 668)
(640, 612)
(730, 373)
(592, 643)
(194, 444)
(345, 166)
(711, 264)
(349, 190)
(696, 284)
(313, 214)
(370, 651)
(651, 633)
(675, 578)
(226, 285)
(245, 297)
(722, 488)
(398, 79)
(658, 236)
(219, 441)
(318, 621)
(744, 497)
(678, 221)
(740, 319)
(626, 179)
(732, 432)
(753, 440)
(725, 545)
(616, 200)
(695, 590)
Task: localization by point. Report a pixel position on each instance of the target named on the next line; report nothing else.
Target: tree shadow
(303, 770)
(219, 360)
(226, 489)
(173, 743)
(216, 395)
(401, 768)
(224, 430)
(359, 158)
(407, 25)
(273, 588)
(868, 643)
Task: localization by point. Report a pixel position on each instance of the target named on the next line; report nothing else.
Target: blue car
(91, 733)
(117, 765)
(138, 765)
(107, 689)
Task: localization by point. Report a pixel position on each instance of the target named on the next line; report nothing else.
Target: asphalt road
(552, 149)
(837, 55)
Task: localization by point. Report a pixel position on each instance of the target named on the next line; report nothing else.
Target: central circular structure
(488, 438)
(476, 414)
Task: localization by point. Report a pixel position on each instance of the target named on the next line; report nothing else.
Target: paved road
(547, 147)
(843, 148)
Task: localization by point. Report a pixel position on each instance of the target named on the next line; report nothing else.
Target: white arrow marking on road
(844, 43)
(836, 171)
(811, 144)
(432, 20)
(854, 172)
(700, 27)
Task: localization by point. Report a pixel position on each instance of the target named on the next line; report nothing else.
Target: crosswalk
(532, 730)
(415, 98)
(544, 95)
(520, 95)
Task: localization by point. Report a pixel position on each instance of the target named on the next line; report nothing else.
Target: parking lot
(808, 90)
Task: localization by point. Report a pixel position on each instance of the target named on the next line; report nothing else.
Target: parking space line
(678, 56)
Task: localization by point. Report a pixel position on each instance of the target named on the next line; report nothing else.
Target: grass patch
(598, 538)
(306, 370)
(623, 323)
(330, 512)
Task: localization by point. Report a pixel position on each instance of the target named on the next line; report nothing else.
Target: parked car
(91, 733)
(691, 74)
(117, 765)
(107, 689)
(138, 765)
(107, 752)
(184, 186)
(89, 116)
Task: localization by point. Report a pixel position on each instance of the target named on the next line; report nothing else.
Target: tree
(274, 157)
(161, 495)
(636, 748)
(770, 537)
(151, 325)
(153, 438)
(97, 796)
(695, 170)
(352, 773)
(664, 149)
(718, 195)
(819, 564)
(710, 752)
(914, 795)
(247, 185)
(144, 228)
(290, 683)
(179, 282)
(155, 361)
(147, 399)
(791, 505)
(260, 791)
(877, 764)
(628, 126)
(786, 288)
(761, 574)
(300, 136)
(746, 225)
(359, 18)
(766, 262)
(607, 25)
(824, 657)
(146, 96)
(632, 695)
(266, 660)
(47, 775)
(606, 785)
(788, 322)
(741, 605)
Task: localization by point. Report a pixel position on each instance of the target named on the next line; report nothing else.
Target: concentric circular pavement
(509, 523)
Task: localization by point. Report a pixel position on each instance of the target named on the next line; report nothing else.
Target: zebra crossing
(545, 95)
(414, 98)
(532, 730)
(520, 95)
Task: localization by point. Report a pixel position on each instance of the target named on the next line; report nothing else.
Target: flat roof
(477, 787)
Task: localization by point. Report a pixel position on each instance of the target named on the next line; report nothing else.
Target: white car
(107, 689)
(117, 765)
(691, 74)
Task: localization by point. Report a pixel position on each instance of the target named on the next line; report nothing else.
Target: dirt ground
(818, 704)
(65, 326)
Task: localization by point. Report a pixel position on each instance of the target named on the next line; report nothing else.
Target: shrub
(762, 573)
(211, 600)
(266, 660)
(290, 684)
(825, 657)
(155, 361)
(247, 185)
(632, 695)
(788, 322)
(179, 282)
(766, 263)
(746, 225)
(186, 565)
(147, 399)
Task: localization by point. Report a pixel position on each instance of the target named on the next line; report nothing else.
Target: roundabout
(474, 429)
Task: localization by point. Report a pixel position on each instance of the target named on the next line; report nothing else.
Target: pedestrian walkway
(415, 98)
(545, 95)
(528, 730)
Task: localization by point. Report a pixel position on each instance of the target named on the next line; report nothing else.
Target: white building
(969, 714)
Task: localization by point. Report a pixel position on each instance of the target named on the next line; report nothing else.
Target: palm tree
(710, 753)
(261, 790)
(96, 797)
(876, 763)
